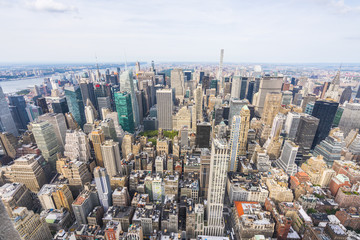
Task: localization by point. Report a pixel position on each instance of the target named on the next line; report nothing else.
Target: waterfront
(17, 85)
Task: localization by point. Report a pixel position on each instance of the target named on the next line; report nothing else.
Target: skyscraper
(350, 118)
(124, 110)
(164, 108)
(111, 157)
(57, 121)
(177, 82)
(238, 137)
(272, 105)
(325, 111)
(268, 84)
(97, 138)
(235, 87)
(103, 187)
(127, 85)
(7, 123)
(235, 107)
(197, 109)
(75, 103)
(18, 108)
(287, 158)
(87, 91)
(46, 140)
(216, 193)
(306, 132)
(291, 124)
(203, 131)
(77, 146)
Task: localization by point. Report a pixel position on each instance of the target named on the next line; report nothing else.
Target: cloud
(341, 6)
(50, 6)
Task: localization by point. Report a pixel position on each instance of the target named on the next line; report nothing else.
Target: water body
(21, 84)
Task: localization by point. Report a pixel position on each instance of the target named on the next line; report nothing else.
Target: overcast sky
(184, 30)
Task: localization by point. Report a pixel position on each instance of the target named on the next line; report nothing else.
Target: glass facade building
(124, 110)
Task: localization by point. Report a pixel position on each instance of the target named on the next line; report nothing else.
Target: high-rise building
(235, 87)
(15, 195)
(124, 109)
(111, 157)
(103, 187)
(127, 85)
(235, 107)
(307, 99)
(9, 144)
(346, 95)
(287, 158)
(30, 226)
(87, 91)
(250, 91)
(85, 203)
(55, 196)
(177, 83)
(41, 102)
(268, 84)
(57, 120)
(182, 118)
(215, 200)
(272, 105)
(27, 170)
(77, 146)
(7, 123)
(59, 105)
(203, 131)
(104, 103)
(330, 149)
(325, 111)
(292, 124)
(75, 103)
(90, 114)
(46, 140)
(98, 138)
(18, 108)
(306, 132)
(350, 118)
(164, 108)
(238, 137)
(197, 108)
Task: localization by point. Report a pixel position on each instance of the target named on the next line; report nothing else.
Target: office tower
(157, 189)
(272, 107)
(27, 170)
(235, 87)
(277, 126)
(333, 90)
(97, 138)
(307, 99)
(203, 131)
(127, 85)
(182, 118)
(325, 111)
(187, 74)
(330, 149)
(268, 84)
(250, 91)
(85, 203)
(291, 124)
(201, 76)
(90, 112)
(159, 164)
(75, 103)
(350, 118)
(59, 105)
(7, 123)
(309, 108)
(124, 110)
(346, 95)
(197, 108)
(46, 140)
(217, 181)
(57, 121)
(177, 83)
(87, 91)
(108, 127)
(32, 111)
(9, 144)
(104, 103)
(7, 229)
(287, 97)
(244, 87)
(235, 107)
(287, 158)
(164, 108)
(19, 111)
(219, 76)
(103, 187)
(111, 157)
(30, 225)
(77, 146)
(55, 196)
(338, 116)
(306, 132)
(238, 137)
(15, 195)
(184, 139)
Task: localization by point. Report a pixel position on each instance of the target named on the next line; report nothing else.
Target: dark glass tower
(19, 111)
(41, 102)
(325, 111)
(124, 109)
(250, 91)
(75, 103)
(243, 87)
(87, 92)
(306, 132)
(203, 135)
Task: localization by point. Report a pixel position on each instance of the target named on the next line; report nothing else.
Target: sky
(258, 31)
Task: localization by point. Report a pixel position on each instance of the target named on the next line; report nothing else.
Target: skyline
(60, 31)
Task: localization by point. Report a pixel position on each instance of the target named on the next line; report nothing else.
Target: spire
(97, 67)
(336, 80)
